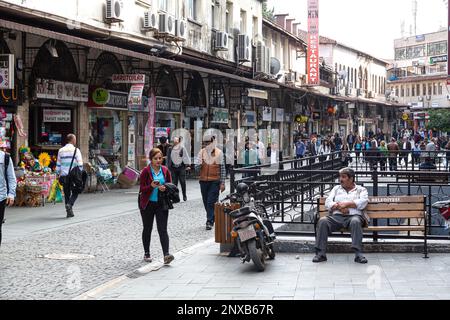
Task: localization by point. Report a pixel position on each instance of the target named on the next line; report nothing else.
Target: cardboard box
(131, 173)
(125, 182)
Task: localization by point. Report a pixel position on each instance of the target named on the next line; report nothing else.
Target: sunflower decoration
(44, 159)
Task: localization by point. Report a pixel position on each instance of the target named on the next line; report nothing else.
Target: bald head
(71, 138)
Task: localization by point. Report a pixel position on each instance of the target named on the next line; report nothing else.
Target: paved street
(200, 273)
(106, 226)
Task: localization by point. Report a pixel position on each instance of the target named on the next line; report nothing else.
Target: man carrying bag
(69, 167)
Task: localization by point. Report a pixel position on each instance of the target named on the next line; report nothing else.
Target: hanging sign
(313, 43)
(267, 114)
(60, 90)
(169, 105)
(6, 71)
(128, 78)
(104, 98)
(219, 115)
(135, 96)
(56, 115)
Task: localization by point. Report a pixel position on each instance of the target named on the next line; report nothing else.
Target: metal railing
(293, 187)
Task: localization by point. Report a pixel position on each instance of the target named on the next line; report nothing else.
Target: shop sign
(195, 112)
(60, 90)
(255, 93)
(249, 119)
(267, 114)
(421, 115)
(219, 115)
(162, 132)
(313, 43)
(316, 116)
(135, 96)
(6, 71)
(104, 98)
(10, 98)
(169, 105)
(434, 60)
(56, 115)
(279, 115)
(128, 78)
(405, 117)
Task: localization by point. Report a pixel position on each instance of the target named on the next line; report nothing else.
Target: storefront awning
(125, 52)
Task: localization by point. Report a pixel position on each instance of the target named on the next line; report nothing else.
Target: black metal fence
(293, 187)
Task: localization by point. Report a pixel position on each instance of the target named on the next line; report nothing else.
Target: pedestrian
(345, 155)
(211, 164)
(447, 155)
(312, 149)
(358, 148)
(374, 156)
(416, 154)
(8, 185)
(164, 147)
(261, 149)
(151, 205)
(324, 150)
(69, 157)
(406, 150)
(351, 140)
(383, 153)
(300, 150)
(337, 143)
(179, 162)
(393, 149)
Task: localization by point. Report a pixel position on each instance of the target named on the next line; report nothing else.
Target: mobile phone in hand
(156, 182)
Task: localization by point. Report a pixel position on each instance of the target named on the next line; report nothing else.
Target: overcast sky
(368, 25)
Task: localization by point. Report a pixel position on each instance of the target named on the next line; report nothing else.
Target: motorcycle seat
(240, 212)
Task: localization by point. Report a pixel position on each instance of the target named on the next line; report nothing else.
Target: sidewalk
(201, 273)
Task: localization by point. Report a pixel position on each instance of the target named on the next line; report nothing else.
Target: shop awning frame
(125, 52)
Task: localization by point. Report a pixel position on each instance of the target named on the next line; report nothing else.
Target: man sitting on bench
(345, 204)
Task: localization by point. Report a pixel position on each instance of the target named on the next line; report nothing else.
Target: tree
(439, 120)
(267, 14)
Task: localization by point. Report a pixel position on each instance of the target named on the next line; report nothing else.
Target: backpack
(77, 177)
(7, 158)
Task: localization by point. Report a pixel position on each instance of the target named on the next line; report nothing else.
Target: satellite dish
(275, 65)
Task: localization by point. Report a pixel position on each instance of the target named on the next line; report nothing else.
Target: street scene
(224, 150)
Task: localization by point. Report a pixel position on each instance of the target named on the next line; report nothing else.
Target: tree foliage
(439, 120)
(267, 14)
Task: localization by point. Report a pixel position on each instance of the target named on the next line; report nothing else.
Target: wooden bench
(392, 207)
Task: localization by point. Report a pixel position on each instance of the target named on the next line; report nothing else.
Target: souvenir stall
(36, 180)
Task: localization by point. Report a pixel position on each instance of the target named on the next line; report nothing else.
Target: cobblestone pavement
(113, 241)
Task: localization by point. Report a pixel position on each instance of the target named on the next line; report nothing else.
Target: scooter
(253, 235)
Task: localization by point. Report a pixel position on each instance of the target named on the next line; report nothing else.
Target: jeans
(148, 215)
(179, 174)
(70, 196)
(2, 216)
(210, 195)
(393, 163)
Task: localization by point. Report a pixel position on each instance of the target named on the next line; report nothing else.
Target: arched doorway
(108, 122)
(195, 100)
(53, 75)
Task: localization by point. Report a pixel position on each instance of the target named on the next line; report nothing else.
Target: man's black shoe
(208, 226)
(318, 259)
(360, 259)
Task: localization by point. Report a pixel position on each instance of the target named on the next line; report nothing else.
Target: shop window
(105, 136)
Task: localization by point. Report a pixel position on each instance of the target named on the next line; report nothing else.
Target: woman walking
(383, 155)
(151, 203)
(178, 162)
(358, 148)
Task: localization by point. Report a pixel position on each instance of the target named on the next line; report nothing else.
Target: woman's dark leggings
(2, 216)
(154, 209)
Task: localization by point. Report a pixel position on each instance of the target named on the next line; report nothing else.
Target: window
(413, 91)
(418, 89)
(255, 27)
(192, 9)
(243, 22)
(400, 53)
(430, 89)
(440, 89)
(229, 17)
(213, 17)
(437, 48)
(407, 91)
(434, 89)
(163, 5)
(402, 91)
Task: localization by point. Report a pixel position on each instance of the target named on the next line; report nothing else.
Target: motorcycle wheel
(271, 252)
(256, 255)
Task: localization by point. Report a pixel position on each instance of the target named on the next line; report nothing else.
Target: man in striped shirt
(63, 167)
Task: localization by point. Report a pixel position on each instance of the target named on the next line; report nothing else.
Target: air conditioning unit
(166, 24)
(151, 21)
(244, 47)
(260, 57)
(290, 77)
(267, 61)
(114, 10)
(181, 29)
(348, 91)
(221, 41)
(371, 94)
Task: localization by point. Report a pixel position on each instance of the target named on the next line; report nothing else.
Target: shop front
(9, 101)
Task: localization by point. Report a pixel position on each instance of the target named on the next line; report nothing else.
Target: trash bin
(223, 223)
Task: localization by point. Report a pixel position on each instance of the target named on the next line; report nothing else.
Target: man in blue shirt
(7, 186)
(300, 149)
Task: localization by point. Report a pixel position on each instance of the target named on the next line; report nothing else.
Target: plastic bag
(52, 193)
(58, 197)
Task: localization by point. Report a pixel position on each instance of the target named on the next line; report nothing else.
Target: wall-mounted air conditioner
(260, 58)
(221, 42)
(181, 29)
(166, 24)
(244, 47)
(114, 10)
(151, 20)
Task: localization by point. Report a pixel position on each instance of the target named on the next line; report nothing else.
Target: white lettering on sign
(56, 115)
(396, 200)
(128, 78)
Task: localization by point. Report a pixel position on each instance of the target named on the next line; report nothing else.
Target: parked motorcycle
(252, 230)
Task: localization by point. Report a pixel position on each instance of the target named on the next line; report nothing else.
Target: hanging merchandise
(44, 159)
(19, 126)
